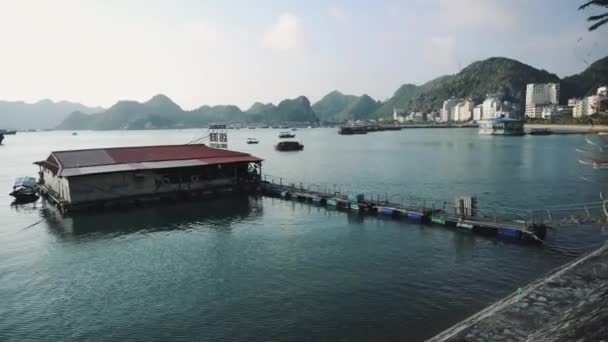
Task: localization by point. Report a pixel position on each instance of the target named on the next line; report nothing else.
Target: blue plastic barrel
(415, 217)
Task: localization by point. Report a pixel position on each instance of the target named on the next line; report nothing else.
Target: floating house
(106, 176)
(501, 126)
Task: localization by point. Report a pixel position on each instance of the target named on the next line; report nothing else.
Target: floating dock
(453, 217)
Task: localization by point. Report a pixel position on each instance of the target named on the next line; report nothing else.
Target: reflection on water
(221, 213)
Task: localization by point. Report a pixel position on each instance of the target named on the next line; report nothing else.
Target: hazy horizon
(100, 52)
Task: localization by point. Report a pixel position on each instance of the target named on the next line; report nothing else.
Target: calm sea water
(262, 269)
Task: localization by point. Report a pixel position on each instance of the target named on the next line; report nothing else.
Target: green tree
(599, 19)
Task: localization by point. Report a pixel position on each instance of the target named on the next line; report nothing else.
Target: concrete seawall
(568, 304)
(571, 129)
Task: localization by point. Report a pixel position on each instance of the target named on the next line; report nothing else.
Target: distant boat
(289, 146)
(74, 133)
(541, 131)
(501, 126)
(251, 127)
(252, 141)
(25, 189)
(350, 130)
(286, 135)
(294, 129)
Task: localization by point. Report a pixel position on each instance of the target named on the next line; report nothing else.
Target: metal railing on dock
(501, 220)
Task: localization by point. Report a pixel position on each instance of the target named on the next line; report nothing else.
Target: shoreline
(569, 129)
(568, 303)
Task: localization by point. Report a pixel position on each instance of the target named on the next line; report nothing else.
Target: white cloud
(285, 33)
(339, 15)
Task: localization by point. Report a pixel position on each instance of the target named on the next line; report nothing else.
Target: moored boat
(252, 141)
(540, 131)
(349, 130)
(25, 189)
(501, 126)
(283, 135)
(289, 146)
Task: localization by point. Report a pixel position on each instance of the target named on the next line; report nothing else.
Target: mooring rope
(33, 224)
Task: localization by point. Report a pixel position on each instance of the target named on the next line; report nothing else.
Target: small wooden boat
(25, 189)
(541, 131)
(289, 146)
(283, 135)
(252, 141)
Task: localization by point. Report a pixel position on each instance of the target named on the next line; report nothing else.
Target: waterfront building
(447, 109)
(478, 112)
(398, 116)
(103, 175)
(539, 95)
(501, 126)
(548, 111)
(602, 91)
(463, 111)
(491, 107)
(572, 102)
(580, 108)
(593, 104)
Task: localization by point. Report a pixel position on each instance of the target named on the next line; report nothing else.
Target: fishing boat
(350, 130)
(283, 135)
(289, 146)
(541, 131)
(501, 126)
(25, 189)
(252, 141)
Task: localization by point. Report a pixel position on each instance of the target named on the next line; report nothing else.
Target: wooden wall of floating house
(59, 185)
(90, 188)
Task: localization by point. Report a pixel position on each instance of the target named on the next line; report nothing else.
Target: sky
(238, 52)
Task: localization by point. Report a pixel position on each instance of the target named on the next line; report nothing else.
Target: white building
(447, 109)
(593, 104)
(478, 112)
(491, 106)
(463, 111)
(602, 91)
(539, 95)
(580, 108)
(549, 111)
(397, 116)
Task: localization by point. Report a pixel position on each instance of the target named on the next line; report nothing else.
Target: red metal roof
(142, 154)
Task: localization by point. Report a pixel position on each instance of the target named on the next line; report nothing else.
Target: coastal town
(542, 101)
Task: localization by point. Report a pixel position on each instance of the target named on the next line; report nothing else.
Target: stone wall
(568, 304)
